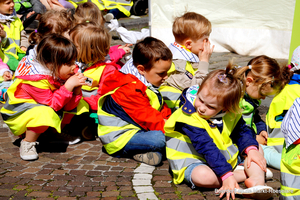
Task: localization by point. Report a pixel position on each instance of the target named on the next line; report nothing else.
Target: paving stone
(145, 196)
(143, 189)
(38, 194)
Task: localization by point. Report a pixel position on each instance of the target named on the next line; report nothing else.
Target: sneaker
(108, 17)
(28, 150)
(269, 174)
(150, 158)
(65, 138)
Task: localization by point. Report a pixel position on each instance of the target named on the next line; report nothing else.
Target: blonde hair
(93, 42)
(227, 86)
(88, 12)
(52, 21)
(191, 25)
(266, 73)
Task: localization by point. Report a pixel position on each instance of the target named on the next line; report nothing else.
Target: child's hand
(228, 186)
(126, 47)
(2, 32)
(258, 158)
(77, 80)
(7, 76)
(207, 51)
(262, 138)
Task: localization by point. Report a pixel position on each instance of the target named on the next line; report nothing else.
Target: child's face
(7, 7)
(66, 71)
(158, 73)
(253, 90)
(196, 46)
(207, 105)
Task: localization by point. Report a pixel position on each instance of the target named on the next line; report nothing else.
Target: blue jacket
(242, 136)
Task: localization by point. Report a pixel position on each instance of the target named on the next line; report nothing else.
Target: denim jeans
(143, 142)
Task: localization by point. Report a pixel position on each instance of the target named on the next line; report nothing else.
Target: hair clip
(250, 67)
(35, 30)
(87, 21)
(222, 78)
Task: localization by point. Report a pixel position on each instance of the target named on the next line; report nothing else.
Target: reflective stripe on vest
(290, 172)
(171, 96)
(179, 147)
(276, 139)
(13, 110)
(114, 132)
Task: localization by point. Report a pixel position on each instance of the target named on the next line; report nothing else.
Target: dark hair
(149, 51)
(51, 21)
(55, 50)
(227, 86)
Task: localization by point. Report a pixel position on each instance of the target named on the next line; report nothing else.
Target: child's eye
(210, 107)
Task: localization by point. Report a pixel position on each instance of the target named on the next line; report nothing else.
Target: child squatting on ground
(263, 77)
(191, 53)
(45, 86)
(205, 137)
(132, 112)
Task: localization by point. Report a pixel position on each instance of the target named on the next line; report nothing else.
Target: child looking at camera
(207, 133)
(131, 112)
(45, 86)
(14, 41)
(191, 53)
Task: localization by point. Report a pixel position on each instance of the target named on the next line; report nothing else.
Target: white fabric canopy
(246, 27)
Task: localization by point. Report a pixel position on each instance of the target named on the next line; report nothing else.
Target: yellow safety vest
(179, 149)
(248, 113)
(13, 35)
(280, 103)
(19, 3)
(20, 113)
(123, 5)
(114, 132)
(95, 74)
(290, 173)
(170, 94)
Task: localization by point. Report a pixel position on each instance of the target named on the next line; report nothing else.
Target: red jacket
(131, 97)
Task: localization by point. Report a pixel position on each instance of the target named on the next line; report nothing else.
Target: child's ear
(188, 44)
(249, 80)
(141, 69)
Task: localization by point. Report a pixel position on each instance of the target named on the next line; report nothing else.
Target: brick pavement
(83, 171)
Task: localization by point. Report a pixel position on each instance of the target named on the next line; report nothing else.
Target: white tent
(246, 27)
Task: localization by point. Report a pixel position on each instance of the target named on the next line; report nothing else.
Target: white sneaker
(65, 138)
(269, 174)
(108, 17)
(28, 151)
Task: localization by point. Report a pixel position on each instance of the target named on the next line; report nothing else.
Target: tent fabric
(245, 27)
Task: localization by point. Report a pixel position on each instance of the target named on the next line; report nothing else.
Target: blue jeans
(143, 142)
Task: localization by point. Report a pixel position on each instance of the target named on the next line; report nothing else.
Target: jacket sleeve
(115, 53)
(135, 102)
(243, 136)
(259, 123)
(56, 99)
(204, 145)
(201, 73)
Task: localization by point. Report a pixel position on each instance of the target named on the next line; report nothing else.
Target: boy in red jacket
(131, 112)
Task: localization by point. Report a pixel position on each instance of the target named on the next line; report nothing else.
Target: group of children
(162, 103)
